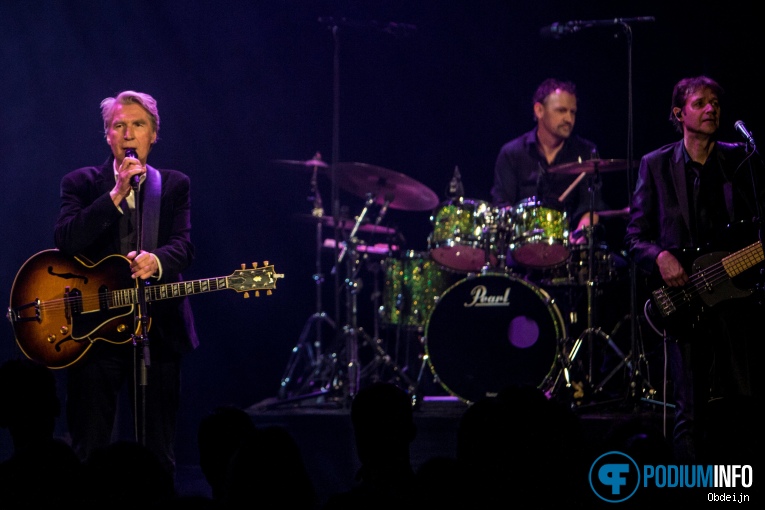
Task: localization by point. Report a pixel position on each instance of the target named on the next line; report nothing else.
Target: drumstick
(571, 188)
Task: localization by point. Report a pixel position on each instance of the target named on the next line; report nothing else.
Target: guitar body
(58, 306)
(714, 277)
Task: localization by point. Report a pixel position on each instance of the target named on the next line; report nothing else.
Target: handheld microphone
(136, 179)
(741, 128)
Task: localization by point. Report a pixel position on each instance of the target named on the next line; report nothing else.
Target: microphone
(455, 184)
(741, 128)
(136, 179)
(558, 30)
(384, 209)
(393, 28)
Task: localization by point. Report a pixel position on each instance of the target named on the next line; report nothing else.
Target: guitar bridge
(665, 305)
(15, 315)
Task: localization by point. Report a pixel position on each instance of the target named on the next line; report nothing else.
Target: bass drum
(492, 331)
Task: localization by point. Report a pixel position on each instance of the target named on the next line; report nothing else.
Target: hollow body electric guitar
(711, 282)
(61, 305)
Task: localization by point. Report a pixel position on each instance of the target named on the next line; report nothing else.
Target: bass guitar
(711, 282)
(61, 305)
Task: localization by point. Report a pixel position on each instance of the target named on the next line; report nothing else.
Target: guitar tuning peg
(254, 265)
(246, 294)
(257, 293)
(265, 263)
(243, 266)
(268, 293)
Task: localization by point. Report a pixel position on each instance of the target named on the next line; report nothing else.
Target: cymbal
(401, 191)
(347, 224)
(374, 249)
(588, 166)
(305, 164)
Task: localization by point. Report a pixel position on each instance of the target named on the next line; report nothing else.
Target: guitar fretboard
(743, 259)
(125, 297)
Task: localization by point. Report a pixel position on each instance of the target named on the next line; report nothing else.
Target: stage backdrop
(414, 87)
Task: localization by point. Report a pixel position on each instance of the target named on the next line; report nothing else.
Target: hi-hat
(347, 224)
(589, 166)
(311, 163)
(399, 190)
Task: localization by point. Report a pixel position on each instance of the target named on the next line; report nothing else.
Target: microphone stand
(140, 340)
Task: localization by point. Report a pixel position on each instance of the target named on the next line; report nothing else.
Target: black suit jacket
(88, 225)
(659, 209)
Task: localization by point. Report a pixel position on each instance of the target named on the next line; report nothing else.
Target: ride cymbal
(347, 224)
(399, 190)
(311, 163)
(589, 166)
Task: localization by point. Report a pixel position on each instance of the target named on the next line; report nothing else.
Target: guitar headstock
(254, 279)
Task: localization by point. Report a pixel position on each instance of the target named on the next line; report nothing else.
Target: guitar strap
(728, 193)
(151, 204)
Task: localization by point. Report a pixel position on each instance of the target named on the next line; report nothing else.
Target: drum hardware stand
(316, 381)
(352, 287)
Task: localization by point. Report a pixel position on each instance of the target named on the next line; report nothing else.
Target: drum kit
(477, 307)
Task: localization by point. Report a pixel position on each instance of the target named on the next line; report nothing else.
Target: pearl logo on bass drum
(481, 297)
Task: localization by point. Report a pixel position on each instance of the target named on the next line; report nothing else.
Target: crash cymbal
(402, 192)
(588, 166)
(347, 224)
(311, 163)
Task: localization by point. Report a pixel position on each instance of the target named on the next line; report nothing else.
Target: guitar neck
(744, 259)
(170, 290)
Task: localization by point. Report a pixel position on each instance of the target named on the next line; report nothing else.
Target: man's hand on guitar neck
(143, 265)
(671, 270)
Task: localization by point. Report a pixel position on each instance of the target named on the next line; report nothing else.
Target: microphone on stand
(384, 209)
(558, 30)
(136, 179)
(455, 184)
(741, 128)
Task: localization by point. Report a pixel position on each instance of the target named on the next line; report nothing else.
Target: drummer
(521, 170)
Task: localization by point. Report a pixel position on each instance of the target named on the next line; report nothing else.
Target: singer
(96, 220)
(692, 197)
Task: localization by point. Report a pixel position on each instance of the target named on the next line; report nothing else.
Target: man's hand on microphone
(129, 168)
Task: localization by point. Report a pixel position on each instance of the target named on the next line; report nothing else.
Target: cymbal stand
(352, 286)
(587, 337)
(316, 379)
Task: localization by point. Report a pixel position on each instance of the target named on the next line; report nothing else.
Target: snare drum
(457, 241)
(489, 332)
(540, 234)
(577, 269)
(413, 282)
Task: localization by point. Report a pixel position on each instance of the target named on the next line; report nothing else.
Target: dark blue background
(241, 83)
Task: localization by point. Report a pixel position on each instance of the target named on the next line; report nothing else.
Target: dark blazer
(88, 225)
(659, 210)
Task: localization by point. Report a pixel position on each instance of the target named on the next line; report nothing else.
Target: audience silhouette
(127, 474)
(219, 435)
(267, 471)
(383, 428)
(521, 443)
(29, 407)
